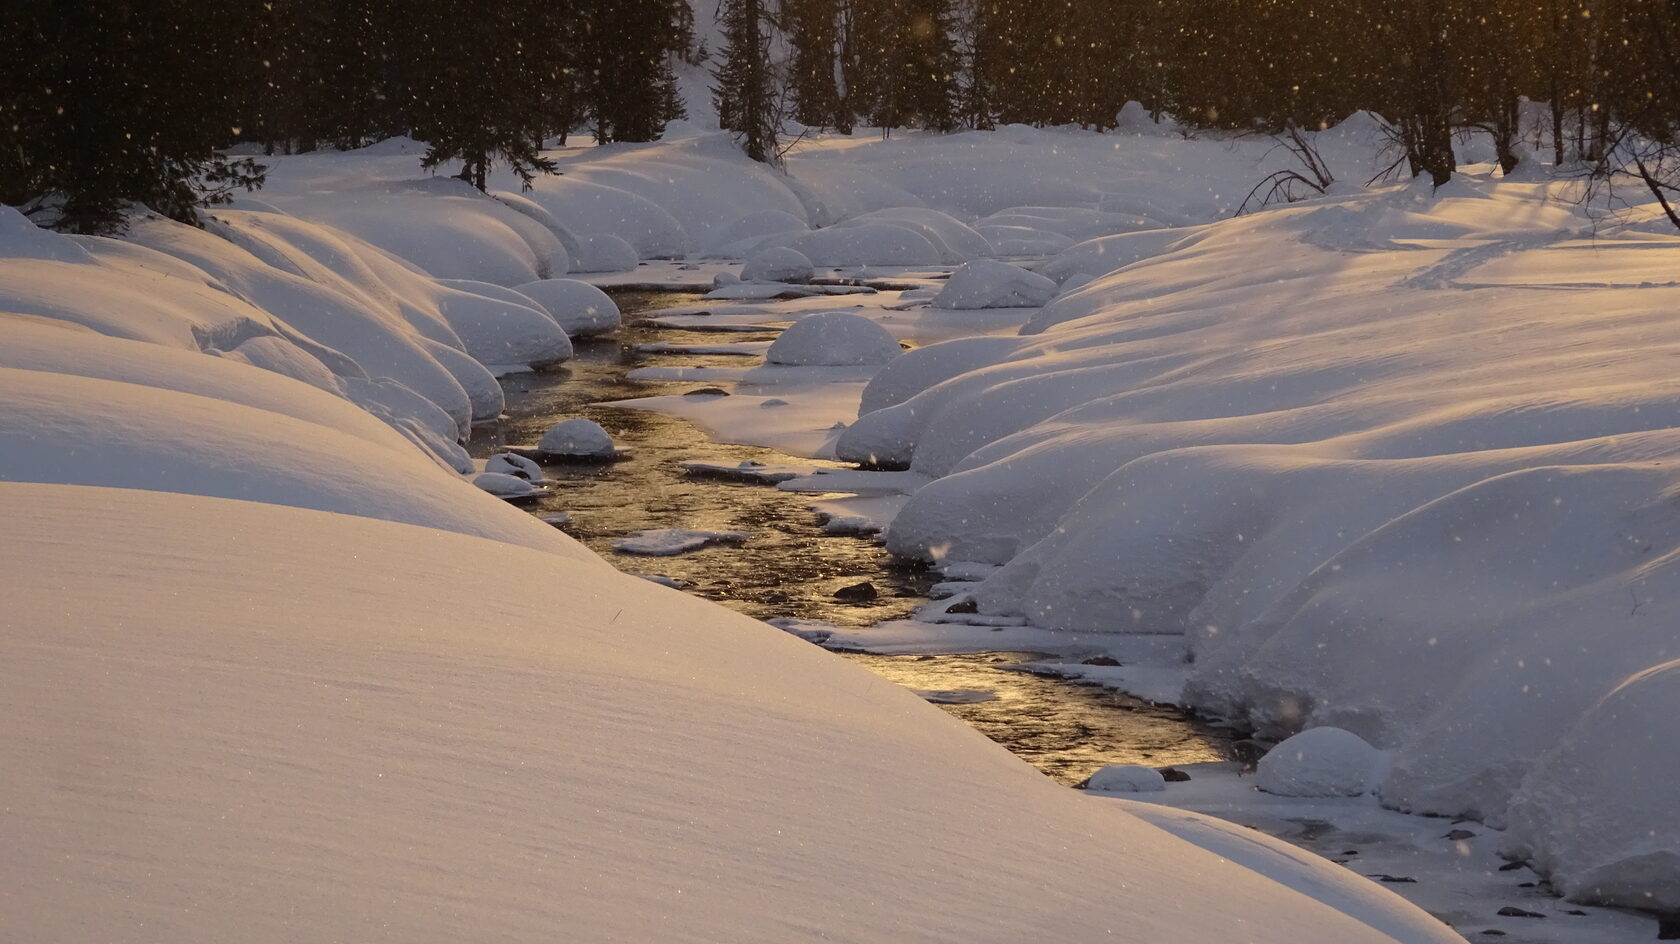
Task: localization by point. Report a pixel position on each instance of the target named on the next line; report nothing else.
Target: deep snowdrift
(240, 721)
(1400, 463)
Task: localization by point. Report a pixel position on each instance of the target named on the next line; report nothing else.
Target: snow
(777, 264)
(1336, 446)
(502, 328)
(508, 463)
(581, 309)
(577, 437)
(1126, 778)
(669, 542)
(991, 284)
(505, 485)
(868, 244)
(833, 339)
(233, 689)
(1321, 762)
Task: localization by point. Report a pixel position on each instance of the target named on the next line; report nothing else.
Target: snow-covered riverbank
(247, 695)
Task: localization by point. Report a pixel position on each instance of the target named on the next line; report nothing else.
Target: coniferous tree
(474, 91)
(625, 49)
(813, 32)
(745, 93)
(123, 103)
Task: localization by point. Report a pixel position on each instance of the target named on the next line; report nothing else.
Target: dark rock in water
(1458, 834)
(1100, 660)
(966, 606)
(1512, 912)
(1397, 880)
(1248, 752)
(1172, 774)
(856, 593)
(1512, 866)
(707, 392)
(1494, 932)
(1350, 852)
(1668, 927)
(1576, 912)
(1528, 885)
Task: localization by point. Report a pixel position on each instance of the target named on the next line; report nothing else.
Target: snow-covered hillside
(272, 668)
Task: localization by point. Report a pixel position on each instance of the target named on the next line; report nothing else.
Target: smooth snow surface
(241, 721)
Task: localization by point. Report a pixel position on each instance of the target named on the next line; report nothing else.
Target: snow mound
(777, 264)
(744, 236)
(835, 339)
(1126, 778)
(669, 542)
(1321, 762)
(955, 240)
(604, 252)
(1023, 240)
(1615, 792)
(502, 328)
(577, 437)
(868, 244)
(988, 283)
(581, 309)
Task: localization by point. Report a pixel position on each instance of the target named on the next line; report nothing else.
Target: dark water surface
(789, 567)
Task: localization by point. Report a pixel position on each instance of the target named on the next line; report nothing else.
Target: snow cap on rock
(833, 338)
(579, 308)
(987, 283)
(576, 437)
(1126, 778)
(1321, 762)
(778, 264)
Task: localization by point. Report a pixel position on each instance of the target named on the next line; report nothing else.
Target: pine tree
(625, 48)
(745, 93)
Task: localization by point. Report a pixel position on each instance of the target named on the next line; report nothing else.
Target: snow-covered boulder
(926, 366)
(987, 283)
(778, 264)
(507, 463)
(833, 338)
(580, 309)
(1024, 240)
(1321, 762)
(745, 235)
(577, 437)
(876, 244)
(502, 329)
(503, 485)
(604, 252)
(1126, 778)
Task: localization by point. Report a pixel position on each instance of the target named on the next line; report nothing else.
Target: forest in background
(104, 105)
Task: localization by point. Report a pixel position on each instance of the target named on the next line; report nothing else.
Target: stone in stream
(966, 606)
(1458, 834)
(1100, 660)
(1174, 775)
(707, 392)
(577, 438)
(856, 593)
(1510, 911)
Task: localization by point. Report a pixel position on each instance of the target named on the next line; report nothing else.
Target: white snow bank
(581, 309)
(1320, 762)
(502, 328)
(194, 692)
(868, 244)
(833, 339)
(992, 284)
(1393, 463)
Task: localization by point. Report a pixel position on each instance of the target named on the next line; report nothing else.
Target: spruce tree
(745, 93)
(475, 87)
(812, 28)
(121, 103)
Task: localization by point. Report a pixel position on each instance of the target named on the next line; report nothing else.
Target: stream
(790, 567)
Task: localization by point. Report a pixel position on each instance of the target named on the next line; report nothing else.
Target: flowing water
(789, 567)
